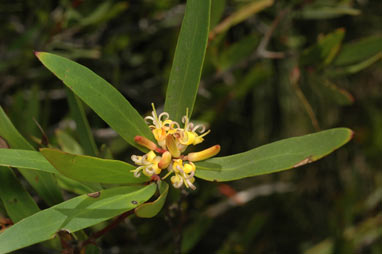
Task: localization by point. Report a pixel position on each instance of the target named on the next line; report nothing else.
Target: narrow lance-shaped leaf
(188, 60)
(73, 215)
(355, 67)
(17, 201)
(326, 12)
(100, 95)
(43, 182)
(92, 169)
(358, 51)
(11, 135)
(324, 51)
(330, 91)
(78, 113)
(150, 209)
(69, 145)
(240, 15)
(25, 159)
(278, 156)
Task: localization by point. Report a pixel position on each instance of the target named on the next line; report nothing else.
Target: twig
(113, 224)
(261, 49)
(295, 79)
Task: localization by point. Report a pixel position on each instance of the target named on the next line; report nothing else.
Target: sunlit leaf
(73, 215)
(25, 159)
(100, 95)
(77, 187)
(92, 169)
(188, 60)
(278, 156)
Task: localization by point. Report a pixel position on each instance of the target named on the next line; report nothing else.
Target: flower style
(173, 141)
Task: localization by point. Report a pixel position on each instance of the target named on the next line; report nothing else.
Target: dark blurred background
(290, 69)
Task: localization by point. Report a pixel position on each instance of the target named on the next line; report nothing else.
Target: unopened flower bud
(205, 154)
(145, 142)
(165, 160)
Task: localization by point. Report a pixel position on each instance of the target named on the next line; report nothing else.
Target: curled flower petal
(177, 181)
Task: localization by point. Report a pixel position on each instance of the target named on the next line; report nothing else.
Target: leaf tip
(351, 134)
(37, 53)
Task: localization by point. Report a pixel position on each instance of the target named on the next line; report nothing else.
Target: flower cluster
(172, 141)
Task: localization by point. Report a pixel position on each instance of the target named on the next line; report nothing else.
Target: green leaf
(100, 95)
(9, 132)
(67, 143)
(44, 183)
(77, 187)
(357, 51)
(238, 51)
(92, 169)
(103, 13)
(73, 215)
(188, 60)
(17, 201)
(25, 159)
(278, 156)
(355, 67)
(150, 209)
(331, 91)
(240, 15)
(324, 51)
(217, 11)
(326, 12)
(82, 125)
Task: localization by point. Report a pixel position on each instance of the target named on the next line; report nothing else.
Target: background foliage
(272, 71)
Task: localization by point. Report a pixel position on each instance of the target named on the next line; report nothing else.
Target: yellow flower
(148, 164)
(184, 173)
(173, 141)
(188, 135)
(161, 126)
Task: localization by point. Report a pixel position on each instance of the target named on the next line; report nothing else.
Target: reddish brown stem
(113, 224)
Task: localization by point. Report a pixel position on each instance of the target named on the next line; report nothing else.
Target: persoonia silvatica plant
(163, 139)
